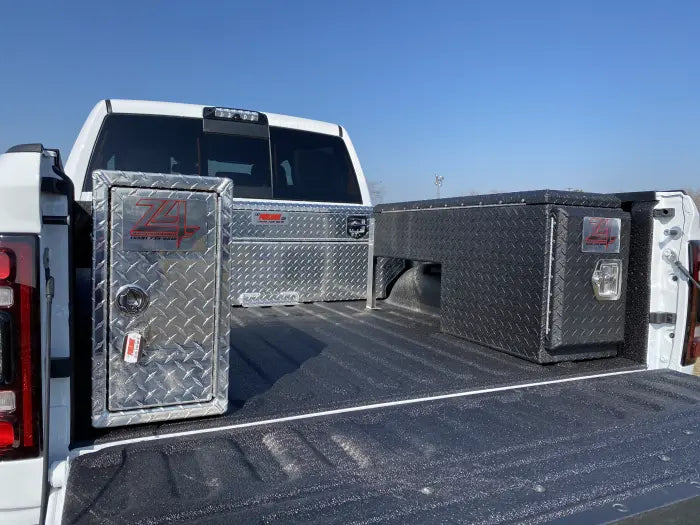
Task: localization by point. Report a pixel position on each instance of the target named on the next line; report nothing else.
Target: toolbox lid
(564, 198)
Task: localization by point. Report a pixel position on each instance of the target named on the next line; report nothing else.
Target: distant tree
(376, 191)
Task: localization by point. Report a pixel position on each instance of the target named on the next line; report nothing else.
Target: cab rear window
(292, 165)
(312, 167)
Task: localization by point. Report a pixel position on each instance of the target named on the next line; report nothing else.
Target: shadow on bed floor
(262, 355)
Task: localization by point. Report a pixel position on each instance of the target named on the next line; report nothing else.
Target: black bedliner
(590, 450)
(308, 358)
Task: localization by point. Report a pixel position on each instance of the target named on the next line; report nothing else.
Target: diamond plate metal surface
(302, 222)
(183, 368)
(273, 272)
(386, 270)
(562, 198)
(575, 313)
(495, 267)
(310, 257)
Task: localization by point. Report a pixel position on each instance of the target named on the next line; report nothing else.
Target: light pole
(438, 183)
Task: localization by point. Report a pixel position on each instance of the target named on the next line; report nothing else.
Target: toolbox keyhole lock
(132, 300)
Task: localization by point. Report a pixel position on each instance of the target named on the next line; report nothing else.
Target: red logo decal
(601, 234)
(163, 219)
(270, 216)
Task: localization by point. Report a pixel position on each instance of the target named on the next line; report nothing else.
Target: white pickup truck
(203, 319)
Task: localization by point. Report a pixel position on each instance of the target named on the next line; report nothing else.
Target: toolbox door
(162, 297)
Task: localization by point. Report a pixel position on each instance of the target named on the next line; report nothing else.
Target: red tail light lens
(692, 348)
(20, 352)
(7, 434)
(5, 265)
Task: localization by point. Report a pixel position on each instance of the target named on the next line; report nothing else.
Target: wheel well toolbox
(518, 268)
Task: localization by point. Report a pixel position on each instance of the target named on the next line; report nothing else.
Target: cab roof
(175, 109)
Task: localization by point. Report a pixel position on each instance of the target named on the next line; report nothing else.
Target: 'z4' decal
(602, 233)
(163, 219)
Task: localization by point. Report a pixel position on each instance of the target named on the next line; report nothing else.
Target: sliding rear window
(292, 165)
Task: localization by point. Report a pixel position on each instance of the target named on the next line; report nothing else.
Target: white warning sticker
(132, 346)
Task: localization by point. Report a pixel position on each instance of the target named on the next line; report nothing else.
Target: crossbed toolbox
(517, 268)
(292, 252)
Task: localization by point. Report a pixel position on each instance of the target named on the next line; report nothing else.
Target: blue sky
(493, 95)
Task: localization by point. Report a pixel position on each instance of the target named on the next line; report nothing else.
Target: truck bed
(596, 449)
(309, 358)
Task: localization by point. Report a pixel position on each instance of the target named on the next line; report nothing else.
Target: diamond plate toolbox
(161, 287)
(285, 253)
(517, 268)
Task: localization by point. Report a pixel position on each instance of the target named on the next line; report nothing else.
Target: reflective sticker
(267, 217)
(248, 299)
(152, 224)
(601, 235)
(132, 345)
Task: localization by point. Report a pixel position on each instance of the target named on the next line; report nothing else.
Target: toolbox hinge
(662, 318)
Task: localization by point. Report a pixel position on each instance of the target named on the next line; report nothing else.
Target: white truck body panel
(20, 212)
(669, 287)
(20, 185)
(22, 206)
(20, 491)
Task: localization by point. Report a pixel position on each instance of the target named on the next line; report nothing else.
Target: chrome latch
(607, 279)
(132, 300)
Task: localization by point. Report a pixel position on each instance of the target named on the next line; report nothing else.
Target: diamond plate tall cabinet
(161, 297)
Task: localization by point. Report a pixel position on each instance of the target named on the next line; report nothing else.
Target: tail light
(20, 351)
(692, 348)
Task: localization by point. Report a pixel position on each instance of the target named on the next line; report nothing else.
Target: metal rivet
(538, 488)
(688, 432)
(427, 490)
(672, 335)
(664, 457)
